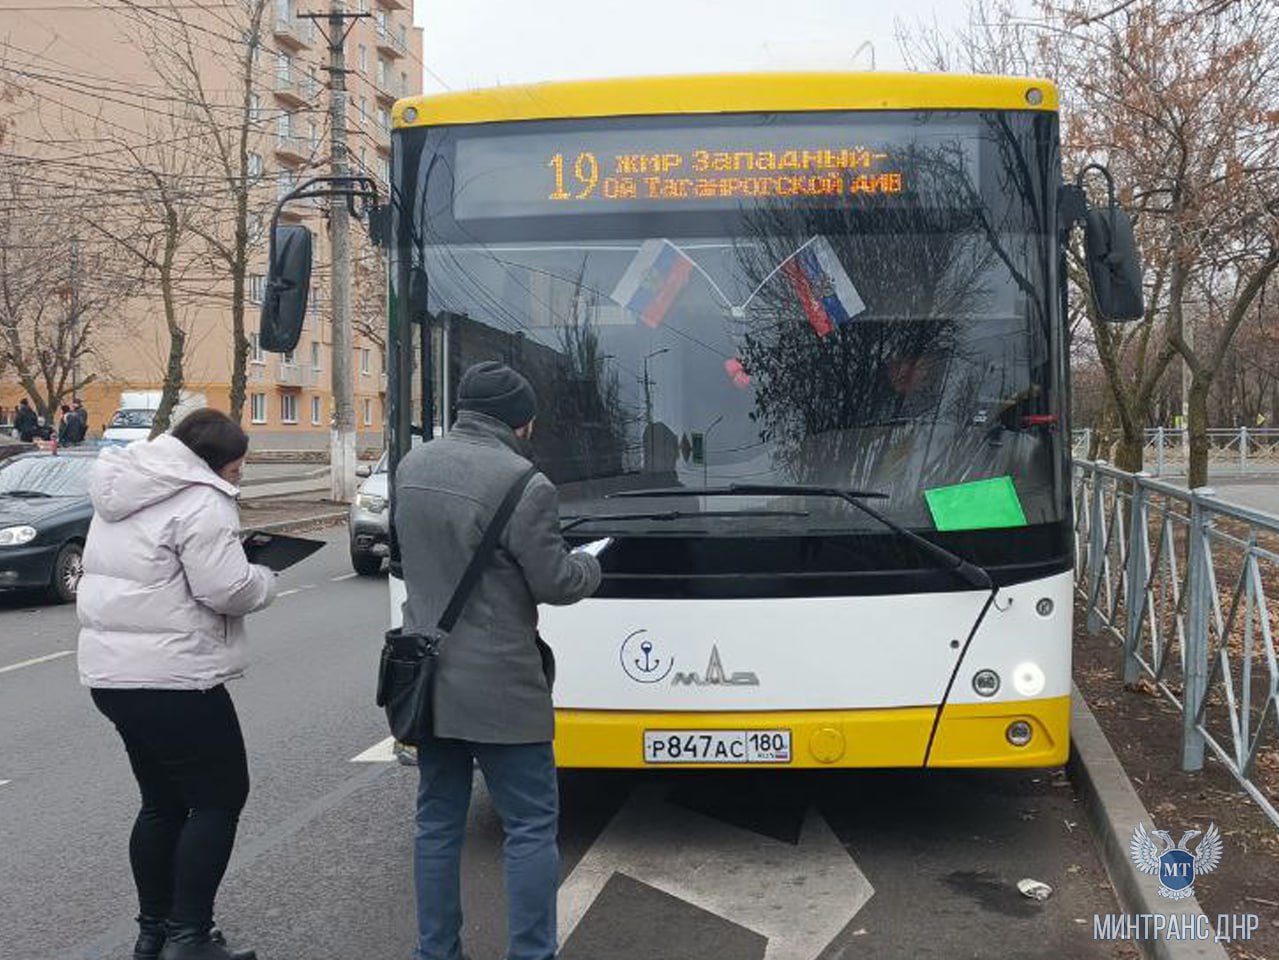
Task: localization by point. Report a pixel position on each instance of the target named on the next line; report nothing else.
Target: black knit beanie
(494, 389)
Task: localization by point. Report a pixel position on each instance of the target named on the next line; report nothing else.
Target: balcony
(291, 32)
(388, 44)
(294, 375)
(293, 149)
(293, 89)
(255, 372)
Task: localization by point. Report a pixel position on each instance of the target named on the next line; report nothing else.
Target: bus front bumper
(969, 735)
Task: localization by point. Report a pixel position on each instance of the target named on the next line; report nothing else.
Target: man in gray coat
(492, 701)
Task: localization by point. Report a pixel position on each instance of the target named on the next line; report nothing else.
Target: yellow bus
(800, 352)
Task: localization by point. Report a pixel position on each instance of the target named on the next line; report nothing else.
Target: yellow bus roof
(727, 93)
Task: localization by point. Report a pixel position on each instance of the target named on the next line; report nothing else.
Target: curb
(1114, 810)
(281, 526)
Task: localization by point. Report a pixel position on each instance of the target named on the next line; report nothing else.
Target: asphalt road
(768, 866)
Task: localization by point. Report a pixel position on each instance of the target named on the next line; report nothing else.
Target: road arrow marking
(3, 782)
(799, 897)
(381, 752)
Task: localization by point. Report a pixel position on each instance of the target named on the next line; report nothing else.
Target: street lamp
(648, 394)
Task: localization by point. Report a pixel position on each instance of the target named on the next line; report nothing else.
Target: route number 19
(586, 172)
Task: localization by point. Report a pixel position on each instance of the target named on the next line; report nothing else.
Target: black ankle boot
(188, 941)
(152, 932)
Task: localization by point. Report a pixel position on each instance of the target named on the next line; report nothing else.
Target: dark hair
(212, 436)
(24, 402)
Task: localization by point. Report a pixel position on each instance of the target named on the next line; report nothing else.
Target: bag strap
(485, 550)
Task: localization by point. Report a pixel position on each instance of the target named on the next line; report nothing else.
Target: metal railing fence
(1182, 581)
(1232, 451)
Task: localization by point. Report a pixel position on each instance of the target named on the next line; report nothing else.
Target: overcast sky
(476, 43)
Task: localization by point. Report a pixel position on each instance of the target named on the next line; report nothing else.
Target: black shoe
(152, 932)
(187, 941)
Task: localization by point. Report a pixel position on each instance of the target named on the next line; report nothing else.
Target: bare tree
(165, 192)
(181, 42)
(59, 289)
(1178, 99)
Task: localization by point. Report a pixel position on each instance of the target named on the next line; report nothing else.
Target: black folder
(277, 551)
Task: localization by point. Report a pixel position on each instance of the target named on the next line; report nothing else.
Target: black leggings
(187, 754)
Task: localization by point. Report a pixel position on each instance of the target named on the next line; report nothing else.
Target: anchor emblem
(641, 660)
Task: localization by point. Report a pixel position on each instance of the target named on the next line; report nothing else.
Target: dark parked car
(44, 519)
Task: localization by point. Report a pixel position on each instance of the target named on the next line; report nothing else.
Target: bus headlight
(1019, 733)
(986, 683)
(1028, 679)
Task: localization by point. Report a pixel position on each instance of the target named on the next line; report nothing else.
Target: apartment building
(289, 401)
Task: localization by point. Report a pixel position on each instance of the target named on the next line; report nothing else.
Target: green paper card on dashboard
(977, 505)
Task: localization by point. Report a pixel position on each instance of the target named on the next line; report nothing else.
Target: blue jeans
(521, 780)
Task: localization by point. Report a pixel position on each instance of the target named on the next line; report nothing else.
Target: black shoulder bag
(406, 672)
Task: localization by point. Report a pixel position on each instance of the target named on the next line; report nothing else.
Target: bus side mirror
(287, 285)
(1113, 267)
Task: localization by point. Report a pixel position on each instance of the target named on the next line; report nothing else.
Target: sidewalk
(1145, 732)
(294, 480)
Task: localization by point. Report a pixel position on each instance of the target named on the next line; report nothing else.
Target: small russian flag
(825, 292)
(654, 279)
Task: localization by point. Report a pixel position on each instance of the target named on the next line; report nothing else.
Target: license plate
(717, 746)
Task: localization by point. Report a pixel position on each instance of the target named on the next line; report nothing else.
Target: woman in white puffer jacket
(161, 604)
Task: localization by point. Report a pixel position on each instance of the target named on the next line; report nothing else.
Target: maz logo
(715, 675)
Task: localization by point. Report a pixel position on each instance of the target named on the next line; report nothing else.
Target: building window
(284, 125)
(255, 165)
(368, 413)
(283, 67)
(381, 74)
(315, 138)
(257, 406)
(316, 351)
(364, 110)
(404, 84)
(286, 183)
(364, 361)
(257, 287)
(315, 411)
(383, 119)
(256, 355)
(364, 58)
(288, 408)
(315, 303)
(255, 108)
(289, 357)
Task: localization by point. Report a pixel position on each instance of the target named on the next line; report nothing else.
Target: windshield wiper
(970, 573)
(27, 494)
(667, 515)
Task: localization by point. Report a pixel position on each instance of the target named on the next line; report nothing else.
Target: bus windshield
(861, 300)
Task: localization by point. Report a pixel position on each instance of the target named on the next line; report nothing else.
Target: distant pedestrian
(25, 421)
(66, 423)
(79, 428)
(162, 602)
(492, 696)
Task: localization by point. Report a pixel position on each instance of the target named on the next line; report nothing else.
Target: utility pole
(342, 433)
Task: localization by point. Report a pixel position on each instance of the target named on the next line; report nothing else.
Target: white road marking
(345, 576)
(799, 897)
(34, 660)
(3, 782)
(382, 752)
(289, 593)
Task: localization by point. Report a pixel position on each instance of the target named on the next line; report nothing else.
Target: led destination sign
(721, 174)
(695, 168)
